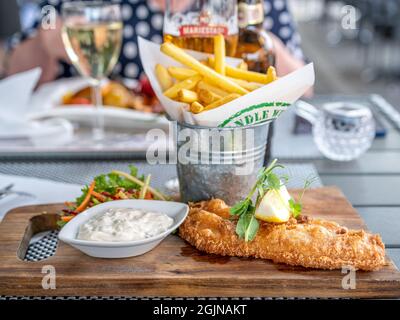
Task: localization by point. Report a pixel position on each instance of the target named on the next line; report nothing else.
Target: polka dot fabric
(142, 18)
(279, 21)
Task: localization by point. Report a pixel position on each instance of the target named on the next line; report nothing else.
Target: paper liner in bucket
(264, 104)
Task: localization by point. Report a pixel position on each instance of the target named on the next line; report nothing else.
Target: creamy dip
(124, 224)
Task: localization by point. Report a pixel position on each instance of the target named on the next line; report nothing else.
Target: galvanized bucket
(219, 162)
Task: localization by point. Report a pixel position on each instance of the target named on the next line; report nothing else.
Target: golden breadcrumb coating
(303, 242)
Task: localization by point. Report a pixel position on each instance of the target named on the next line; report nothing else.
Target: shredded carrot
(156, 193)
(86, 201)
(68, 204)
(66, 218)
(99, 196)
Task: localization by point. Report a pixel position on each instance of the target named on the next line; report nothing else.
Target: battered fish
(306, 242)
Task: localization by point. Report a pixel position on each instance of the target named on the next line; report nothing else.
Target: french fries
(181, 73)
(207, 96)
(222, 101)
(251, 86)
(207, 84)
(250, 76)
(196, 107)
(188, 96)
(271, 74)
(209, 87)
(163, 77)
(188, 83)
(237, 73)
(181, 56)
(219, 53)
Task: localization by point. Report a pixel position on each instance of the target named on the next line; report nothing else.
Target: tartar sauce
(124, 224)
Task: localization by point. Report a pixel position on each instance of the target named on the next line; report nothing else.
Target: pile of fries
(207, 84)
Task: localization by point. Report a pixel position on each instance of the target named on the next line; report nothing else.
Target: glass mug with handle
(191, 24)
(92, 35)
(342, 131)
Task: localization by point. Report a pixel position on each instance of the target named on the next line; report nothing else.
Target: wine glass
(92, 35)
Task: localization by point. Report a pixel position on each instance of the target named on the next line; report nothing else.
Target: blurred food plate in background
(123, 107)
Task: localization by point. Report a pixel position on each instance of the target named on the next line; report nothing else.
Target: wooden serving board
(175, 268)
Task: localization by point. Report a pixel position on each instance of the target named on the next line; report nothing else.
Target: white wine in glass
(92, 35)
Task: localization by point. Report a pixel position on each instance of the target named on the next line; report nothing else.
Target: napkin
(15, 92)
(43, 191)
(15, 96)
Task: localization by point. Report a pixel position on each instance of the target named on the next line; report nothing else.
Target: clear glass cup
(192, 24)
(342, 131)
(92, 35)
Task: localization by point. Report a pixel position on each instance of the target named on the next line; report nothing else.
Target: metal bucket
(219, 162)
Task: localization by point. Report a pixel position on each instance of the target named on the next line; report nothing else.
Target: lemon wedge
(274, 206)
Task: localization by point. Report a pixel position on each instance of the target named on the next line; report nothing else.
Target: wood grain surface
(174, 268)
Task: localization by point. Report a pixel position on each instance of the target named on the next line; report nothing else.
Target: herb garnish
(247, 225)
(295, 206)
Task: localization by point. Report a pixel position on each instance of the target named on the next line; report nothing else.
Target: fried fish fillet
(306, 242)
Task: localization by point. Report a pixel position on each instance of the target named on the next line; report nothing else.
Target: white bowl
(106, 249)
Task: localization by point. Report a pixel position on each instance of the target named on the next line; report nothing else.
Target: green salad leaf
(241, 207)
(110, 182)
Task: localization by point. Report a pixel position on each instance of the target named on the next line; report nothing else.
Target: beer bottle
(255, 45)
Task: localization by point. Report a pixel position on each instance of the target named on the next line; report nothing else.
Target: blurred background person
(39, 47)
(9, 24)
(360, 57)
